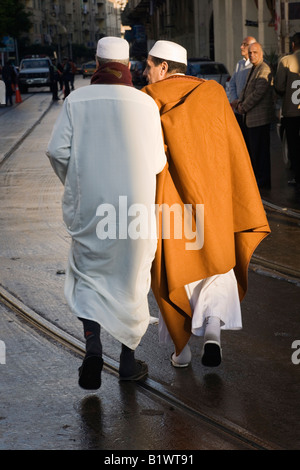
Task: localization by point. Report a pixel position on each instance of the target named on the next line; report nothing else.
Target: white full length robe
(107, 148)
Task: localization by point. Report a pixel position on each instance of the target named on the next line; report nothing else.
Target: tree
(14, 19)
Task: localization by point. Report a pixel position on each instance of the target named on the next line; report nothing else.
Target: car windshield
(34, 64)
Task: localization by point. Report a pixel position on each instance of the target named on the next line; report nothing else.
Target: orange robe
(208, 163)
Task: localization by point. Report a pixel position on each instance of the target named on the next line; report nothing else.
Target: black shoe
(136, 371)
(131, 368)
(212, 354)
(90, 373)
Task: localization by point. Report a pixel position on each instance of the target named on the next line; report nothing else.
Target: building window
(294, 11)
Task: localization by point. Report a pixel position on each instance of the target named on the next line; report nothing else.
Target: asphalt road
(256, 387)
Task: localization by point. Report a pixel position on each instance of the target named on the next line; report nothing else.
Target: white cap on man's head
(169, 50)
(114, 48)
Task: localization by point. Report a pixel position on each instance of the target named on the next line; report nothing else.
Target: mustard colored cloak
(208, 163)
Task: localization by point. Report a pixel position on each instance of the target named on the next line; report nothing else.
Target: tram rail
(269, 267)
(52, 332)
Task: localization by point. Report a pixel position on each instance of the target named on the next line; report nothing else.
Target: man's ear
(164, 68)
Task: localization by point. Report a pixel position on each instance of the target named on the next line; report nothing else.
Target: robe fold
(208, 165)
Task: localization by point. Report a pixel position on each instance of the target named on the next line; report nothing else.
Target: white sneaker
(183, 359)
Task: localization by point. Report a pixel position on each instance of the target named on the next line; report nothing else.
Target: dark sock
(127, 351)
(127, 361)
(129, 366)
(92, 337)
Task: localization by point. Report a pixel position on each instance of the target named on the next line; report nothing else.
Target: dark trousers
(258, 143)
(54, 90)
(292, 130)
(66, 87)
(240, 120)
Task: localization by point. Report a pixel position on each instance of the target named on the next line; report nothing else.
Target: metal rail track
(272, 268)
(282, 210)
(218, 424)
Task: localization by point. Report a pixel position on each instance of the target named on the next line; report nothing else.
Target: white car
(34, 72)
(209, 70)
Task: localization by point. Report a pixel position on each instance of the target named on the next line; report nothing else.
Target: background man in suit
(257, 105)
(239, 78)
(287, 80)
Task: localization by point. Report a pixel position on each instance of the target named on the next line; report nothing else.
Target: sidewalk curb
(25, 134)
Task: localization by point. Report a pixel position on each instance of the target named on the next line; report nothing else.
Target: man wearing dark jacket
(257, 106)
(287, 85)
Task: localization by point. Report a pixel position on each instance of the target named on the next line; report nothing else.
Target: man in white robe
(107, 148)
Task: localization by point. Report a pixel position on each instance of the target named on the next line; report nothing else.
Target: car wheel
(285, 151)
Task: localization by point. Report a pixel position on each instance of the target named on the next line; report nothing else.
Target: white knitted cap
(169, 50)
(111, 47)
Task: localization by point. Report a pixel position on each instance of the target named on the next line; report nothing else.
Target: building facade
(67, 22)
(271, 22)
(188, 22)
(215, 28)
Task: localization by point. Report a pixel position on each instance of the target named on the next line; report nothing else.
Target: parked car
(34, 72)
(78, 69)
(209, 70)
(88, 69)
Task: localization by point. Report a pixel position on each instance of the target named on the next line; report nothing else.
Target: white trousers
(214, 296)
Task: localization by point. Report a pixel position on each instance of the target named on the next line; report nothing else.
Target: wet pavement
(42, 406)
(256, 387)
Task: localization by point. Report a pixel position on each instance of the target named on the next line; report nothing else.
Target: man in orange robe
(199, 287)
